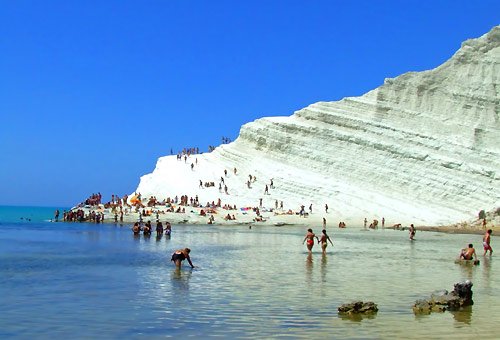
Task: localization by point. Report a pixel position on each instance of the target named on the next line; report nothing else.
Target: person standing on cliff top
(486, 242)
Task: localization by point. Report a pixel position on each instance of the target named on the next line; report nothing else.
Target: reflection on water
(486, 263)
(258, 283)
(463, 316)
(180, 278)
(324, 267)
(467, 271)
(357, 317)
(309, 269)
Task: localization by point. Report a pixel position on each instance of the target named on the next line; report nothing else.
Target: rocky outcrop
(440, 301)
(422, 148)
(358, 307)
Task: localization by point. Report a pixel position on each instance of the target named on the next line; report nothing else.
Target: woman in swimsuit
(310, 239)
(181, 255)
(412, 232)
(159, 228)
(168, 229)
(136, 228)
(324, 241)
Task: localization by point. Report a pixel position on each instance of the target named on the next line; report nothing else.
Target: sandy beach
(192, 216)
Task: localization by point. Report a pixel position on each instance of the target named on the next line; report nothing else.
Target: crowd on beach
(93, 200)
(93, 209)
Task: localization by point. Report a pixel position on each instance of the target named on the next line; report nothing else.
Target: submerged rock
(440, 301)
(358, 307)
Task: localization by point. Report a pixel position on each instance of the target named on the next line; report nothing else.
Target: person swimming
(180, 255)
(310, 239)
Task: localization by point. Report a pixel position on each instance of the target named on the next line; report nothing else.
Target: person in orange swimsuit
(310, 239)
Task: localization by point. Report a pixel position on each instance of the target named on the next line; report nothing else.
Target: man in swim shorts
(486, 242)
(468, 253)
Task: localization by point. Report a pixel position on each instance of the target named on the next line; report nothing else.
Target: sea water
(82, 280)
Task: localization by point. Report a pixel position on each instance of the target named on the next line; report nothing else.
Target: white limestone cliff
(422, 148)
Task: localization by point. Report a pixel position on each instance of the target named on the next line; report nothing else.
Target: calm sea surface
(99, 281)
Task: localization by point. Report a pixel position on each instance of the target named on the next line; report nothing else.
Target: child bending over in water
(181, 255)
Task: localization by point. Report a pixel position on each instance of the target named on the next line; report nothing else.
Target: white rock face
(422, 148)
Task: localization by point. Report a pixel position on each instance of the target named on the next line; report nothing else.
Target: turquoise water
(99, 281)
(15, 214)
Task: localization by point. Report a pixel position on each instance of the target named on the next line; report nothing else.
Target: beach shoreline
(192, 216)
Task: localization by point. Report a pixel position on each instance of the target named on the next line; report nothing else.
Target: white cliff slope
(422, 148)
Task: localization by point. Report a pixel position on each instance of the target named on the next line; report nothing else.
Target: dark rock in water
(358, 307)
(422, 307)
(440, 301)
(464, 291)
(438, 308)
(442, 297)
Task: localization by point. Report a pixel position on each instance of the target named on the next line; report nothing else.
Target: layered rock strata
(422, 148)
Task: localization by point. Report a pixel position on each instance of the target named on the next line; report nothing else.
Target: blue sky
(93, 92)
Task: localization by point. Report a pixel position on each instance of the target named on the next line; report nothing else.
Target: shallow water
(84, 280)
